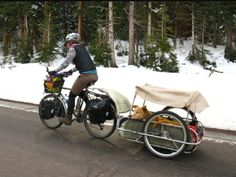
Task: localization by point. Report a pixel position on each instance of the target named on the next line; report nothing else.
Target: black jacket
(82, 60)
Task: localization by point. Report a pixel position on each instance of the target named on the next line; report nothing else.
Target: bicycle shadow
(76, 135)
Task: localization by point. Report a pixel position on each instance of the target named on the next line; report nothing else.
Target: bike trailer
(183, 137)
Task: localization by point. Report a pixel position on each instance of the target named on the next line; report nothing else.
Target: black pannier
(46, 109)
(100, 110)
(50, 108)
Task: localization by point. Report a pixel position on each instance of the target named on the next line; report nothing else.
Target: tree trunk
(24, 31)
(149, 27)
(80, 19)
(23, 55)
(193, 32)
(110, 34)
(5, 43)
(131, 33)
(203, 33)
(214, 42)
(230, 52)
(162, 21)
(46, 32)
(175, 32)
(24, 27)
(215, 27)
(176, 25)
(229, 37)
(36, 42)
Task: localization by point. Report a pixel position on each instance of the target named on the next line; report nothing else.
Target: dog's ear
(144, 108)
(133, 107)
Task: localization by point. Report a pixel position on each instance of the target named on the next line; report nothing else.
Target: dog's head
(139, 112)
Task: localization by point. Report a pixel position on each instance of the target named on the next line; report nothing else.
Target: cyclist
(79, 56)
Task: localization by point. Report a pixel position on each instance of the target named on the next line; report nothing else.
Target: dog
(142, 113)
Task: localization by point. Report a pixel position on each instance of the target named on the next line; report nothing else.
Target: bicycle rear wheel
(50, 109)
(101, 130)
(165, 134)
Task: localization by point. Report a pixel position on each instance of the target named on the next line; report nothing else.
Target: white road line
(219, 140)
(19, 108)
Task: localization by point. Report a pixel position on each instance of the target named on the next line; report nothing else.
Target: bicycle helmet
(73, 37)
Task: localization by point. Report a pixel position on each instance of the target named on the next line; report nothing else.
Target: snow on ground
(24, 82)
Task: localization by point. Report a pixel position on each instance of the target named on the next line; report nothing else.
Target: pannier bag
(99, 110)
(46, 109)
(50, 108)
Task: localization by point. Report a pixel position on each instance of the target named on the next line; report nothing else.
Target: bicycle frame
(82, 98)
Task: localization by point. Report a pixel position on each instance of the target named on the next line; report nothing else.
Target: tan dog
(140, 113)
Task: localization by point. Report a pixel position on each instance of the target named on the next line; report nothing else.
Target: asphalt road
(28, 149)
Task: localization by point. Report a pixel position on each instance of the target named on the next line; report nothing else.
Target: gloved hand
(68, 73)
(51, 73)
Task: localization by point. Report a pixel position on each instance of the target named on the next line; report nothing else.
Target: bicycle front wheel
(50, 108)
(165, 134)
(101, 130)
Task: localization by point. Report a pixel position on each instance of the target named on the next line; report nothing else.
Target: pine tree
(198, 28)
(24, 52)
(8, 26)
(97, 36)
(159, 53)
(229, 23)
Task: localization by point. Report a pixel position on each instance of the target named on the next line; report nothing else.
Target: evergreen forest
(34, 31)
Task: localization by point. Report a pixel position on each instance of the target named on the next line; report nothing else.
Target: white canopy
(192, 100)
(122, 103)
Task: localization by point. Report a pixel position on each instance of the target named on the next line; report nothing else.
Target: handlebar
(61, 74)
